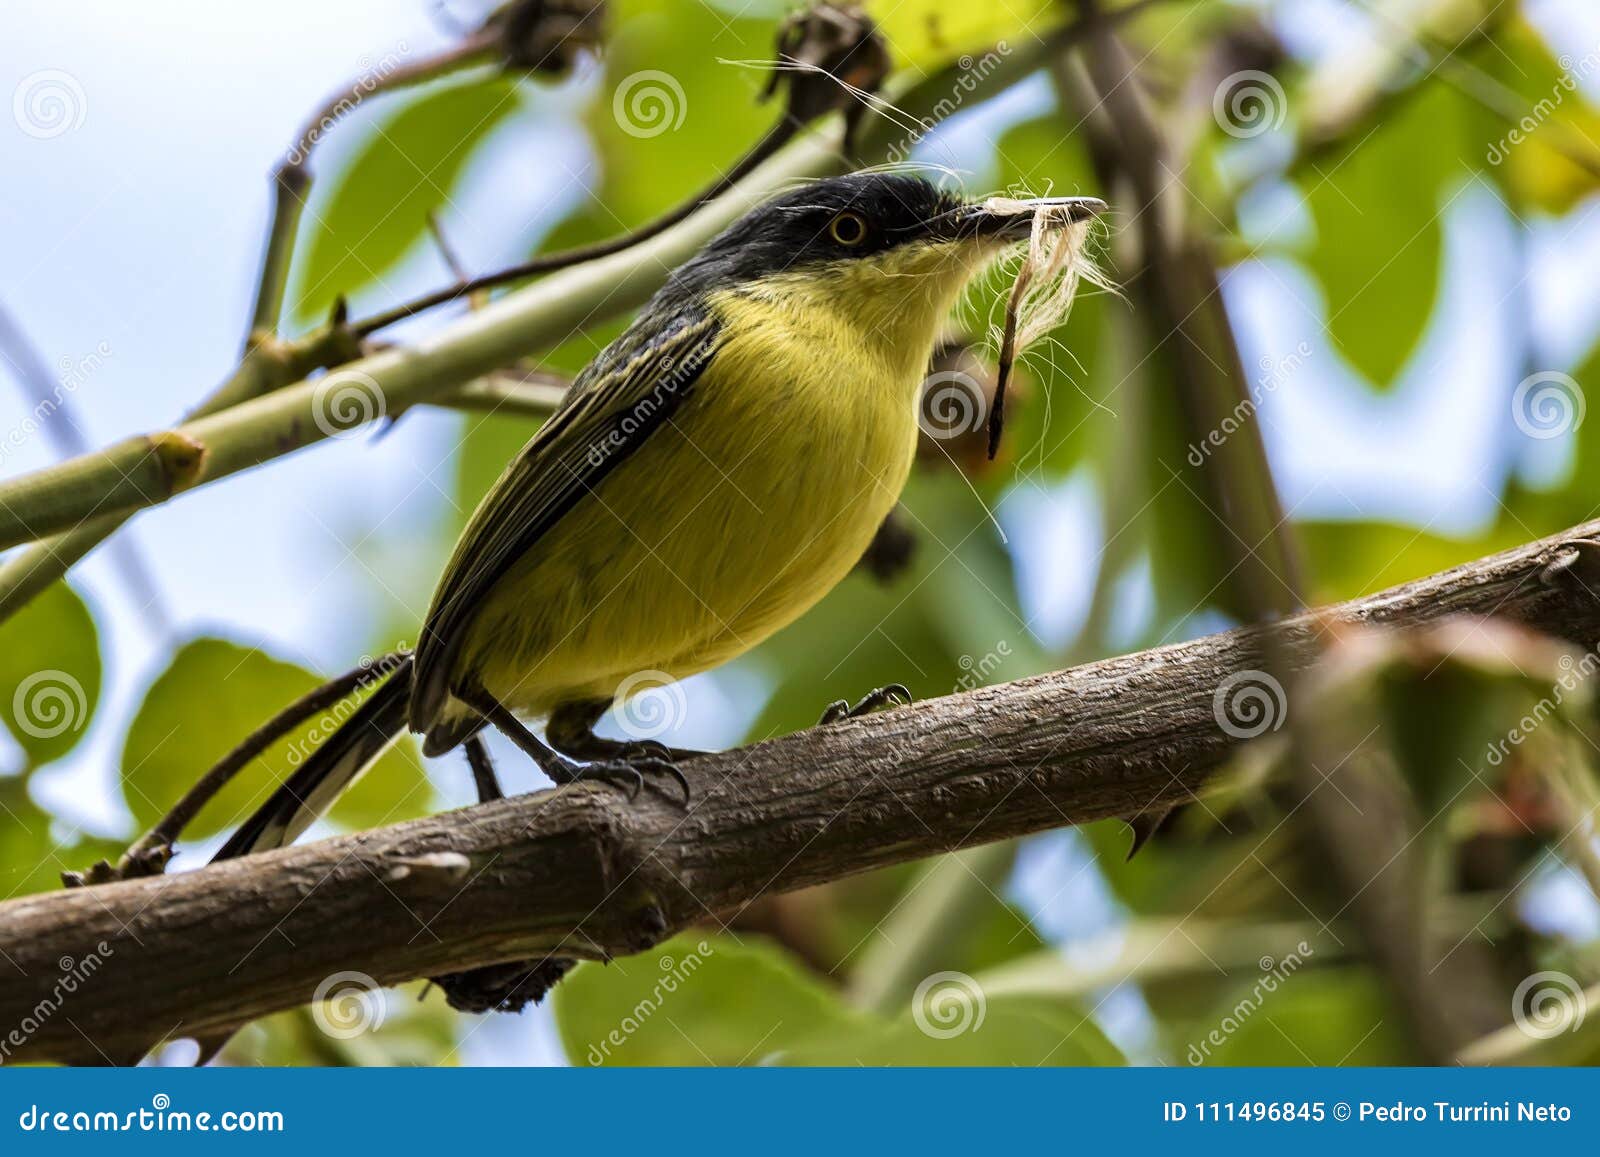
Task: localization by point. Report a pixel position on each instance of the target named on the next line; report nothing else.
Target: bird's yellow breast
(735, 517)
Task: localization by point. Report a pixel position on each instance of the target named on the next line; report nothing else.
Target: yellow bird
(708, 478)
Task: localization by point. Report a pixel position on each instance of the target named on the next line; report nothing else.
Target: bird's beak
(1004, 219)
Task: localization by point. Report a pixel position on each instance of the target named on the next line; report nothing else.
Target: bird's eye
(848, 229)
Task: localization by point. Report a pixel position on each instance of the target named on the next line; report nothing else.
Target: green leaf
(1333, 1016)
(362, 222)
(1529, 160)
(30, 861)
(1356, 558)
(49, 674)
(695, 1000)
(357, 1026)
(1379, 229)
(962, 1028)
(674, 108)
(210, 697)
(928, 33)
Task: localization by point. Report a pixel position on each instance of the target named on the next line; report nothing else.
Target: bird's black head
(852, 218)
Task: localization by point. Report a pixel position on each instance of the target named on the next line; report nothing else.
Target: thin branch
(292, 180)
(146, 470)
(149, 854)
(52, 399)
(779, 135)
(582, 873)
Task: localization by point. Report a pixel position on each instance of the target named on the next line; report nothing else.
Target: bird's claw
(892, 695)
(627, 768)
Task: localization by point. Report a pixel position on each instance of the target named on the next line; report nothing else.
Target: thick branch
(582, 873)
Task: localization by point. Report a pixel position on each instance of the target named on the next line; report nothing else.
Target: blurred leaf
(364, 220)
(30, 861)
(694, 1000)
(674, 108)
(210, 697)
(966, 1030)
(1331, 1016)
(1449, 697)
(1379, 230)
(928, 33)
(358, 1026)
(1350, 559)
(49, 674)
(1569, 499)
(1527, 159)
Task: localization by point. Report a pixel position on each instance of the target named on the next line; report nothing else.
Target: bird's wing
(620, 399)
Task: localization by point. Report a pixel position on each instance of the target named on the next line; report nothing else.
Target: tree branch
(129, 477)
(580, 872)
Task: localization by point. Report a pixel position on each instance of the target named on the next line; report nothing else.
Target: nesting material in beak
(1046, 282)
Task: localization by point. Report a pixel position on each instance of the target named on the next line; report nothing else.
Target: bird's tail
(336, 764)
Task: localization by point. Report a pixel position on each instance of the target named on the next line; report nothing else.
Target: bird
(707, 478)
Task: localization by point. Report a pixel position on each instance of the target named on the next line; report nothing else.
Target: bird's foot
(894, 695)
(628, 766)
